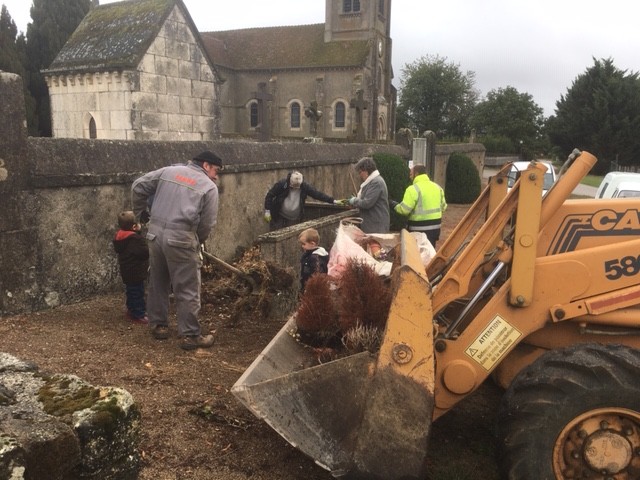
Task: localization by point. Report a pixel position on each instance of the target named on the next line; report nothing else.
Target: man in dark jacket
(284, 202)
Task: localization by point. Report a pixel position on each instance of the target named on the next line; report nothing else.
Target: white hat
(295, 180)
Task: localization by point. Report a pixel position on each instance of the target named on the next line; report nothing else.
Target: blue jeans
(135, 299)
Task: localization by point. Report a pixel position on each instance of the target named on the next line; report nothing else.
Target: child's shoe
(141, 320)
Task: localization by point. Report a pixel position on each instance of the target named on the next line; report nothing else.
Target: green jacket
(423, 203)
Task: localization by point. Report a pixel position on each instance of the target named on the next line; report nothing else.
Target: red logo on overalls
(187, 180)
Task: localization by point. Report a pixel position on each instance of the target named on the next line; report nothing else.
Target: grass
(592, 180)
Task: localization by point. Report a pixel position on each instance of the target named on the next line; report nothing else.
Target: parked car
(610, 187)
(627, 189)
(517, 167)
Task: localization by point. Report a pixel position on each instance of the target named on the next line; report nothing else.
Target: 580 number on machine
(625, 266)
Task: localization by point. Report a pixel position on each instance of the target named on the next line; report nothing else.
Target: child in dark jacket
(315, 259)
(133, 258)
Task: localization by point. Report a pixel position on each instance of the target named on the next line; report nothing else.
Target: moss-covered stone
(61, 396)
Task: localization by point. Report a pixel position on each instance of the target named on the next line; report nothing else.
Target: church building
(139, 69)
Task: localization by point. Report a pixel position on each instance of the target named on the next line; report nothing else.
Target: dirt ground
(192, 427)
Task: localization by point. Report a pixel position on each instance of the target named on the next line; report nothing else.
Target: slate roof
(114, 36)
(300, 46)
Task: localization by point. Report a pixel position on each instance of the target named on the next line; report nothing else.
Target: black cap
(208, 157)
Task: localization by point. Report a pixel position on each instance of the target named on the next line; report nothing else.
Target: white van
(627, 189)
(518, 167)
(610, 185)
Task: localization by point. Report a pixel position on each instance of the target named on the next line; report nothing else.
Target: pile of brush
(346, 315)
(274, 288)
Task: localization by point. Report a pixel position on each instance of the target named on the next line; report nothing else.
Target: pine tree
(13, 59)
(53, 22)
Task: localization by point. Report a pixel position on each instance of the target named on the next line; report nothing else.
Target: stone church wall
(301, 86)
(104, 96)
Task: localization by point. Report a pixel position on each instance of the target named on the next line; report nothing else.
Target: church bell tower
(368, 20)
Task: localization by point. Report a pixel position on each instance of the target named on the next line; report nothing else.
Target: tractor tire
(573, 413)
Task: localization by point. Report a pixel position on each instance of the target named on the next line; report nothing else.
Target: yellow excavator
(541, 293)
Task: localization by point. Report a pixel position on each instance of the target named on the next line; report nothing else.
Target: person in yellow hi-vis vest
(423, 203)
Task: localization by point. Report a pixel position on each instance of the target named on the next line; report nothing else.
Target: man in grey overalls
(183, 212)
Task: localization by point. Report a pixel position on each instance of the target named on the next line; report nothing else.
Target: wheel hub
(601, 444)
(607, 451)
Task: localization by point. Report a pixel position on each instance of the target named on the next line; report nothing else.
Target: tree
(600, 113)
(53, 23)
(436, 95)
(9, 55)
(513, 116)
(13, 58)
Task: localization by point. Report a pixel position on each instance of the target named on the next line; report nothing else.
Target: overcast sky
(536, 47)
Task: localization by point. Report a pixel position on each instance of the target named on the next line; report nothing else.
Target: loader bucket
(365, 416)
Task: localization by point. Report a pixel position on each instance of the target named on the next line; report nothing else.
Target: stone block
(179, 86)
(145, 102)
(138, 135)
(168, 103)
(167, 66)
(154, 121)
(178, 50)
(183, 32)
(203, 124)
(202, 89)
(206, 74)
(108, 101)
(190, 106)
(208, 108)
(85, 103)
(189, 70)
(59, 426)
(153, 83)
(148, 64)
(180, 123)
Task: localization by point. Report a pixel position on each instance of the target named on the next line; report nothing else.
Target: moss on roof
(113, 36)
(300, 46)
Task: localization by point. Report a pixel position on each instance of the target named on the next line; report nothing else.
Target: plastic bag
(349, 244)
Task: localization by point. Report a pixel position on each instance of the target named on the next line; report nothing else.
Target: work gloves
(351, 201)
(144, 217)
(267, 216)
(393, 204)
(343, 202)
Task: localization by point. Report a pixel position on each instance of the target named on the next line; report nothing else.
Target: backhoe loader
(541, 293)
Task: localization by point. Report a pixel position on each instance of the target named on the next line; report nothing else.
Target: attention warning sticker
(493, 342)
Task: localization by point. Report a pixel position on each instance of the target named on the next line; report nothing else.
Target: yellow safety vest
(423, 201)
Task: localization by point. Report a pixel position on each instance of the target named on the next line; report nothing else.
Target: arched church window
(381, 7)
(93, 131)
(295, 115)
(253, 114)
(339, 115)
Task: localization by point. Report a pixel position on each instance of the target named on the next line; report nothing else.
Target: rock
(59, 427)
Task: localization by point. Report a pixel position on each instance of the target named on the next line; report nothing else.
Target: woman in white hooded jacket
(372, 200)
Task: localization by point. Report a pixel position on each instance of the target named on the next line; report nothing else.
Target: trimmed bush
(395, 171)
(498, 144)
(463, 180)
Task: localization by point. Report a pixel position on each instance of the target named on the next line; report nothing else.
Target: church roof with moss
(301, 46)
(114, 36)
